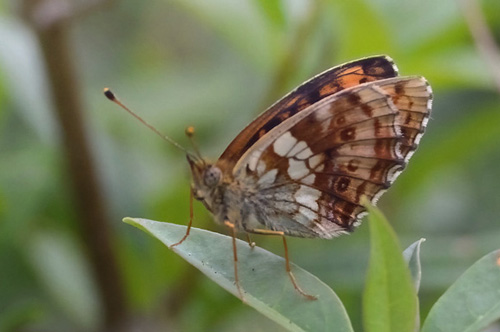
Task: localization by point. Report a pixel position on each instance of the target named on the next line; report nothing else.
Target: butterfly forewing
(319, 87)
(307, 175)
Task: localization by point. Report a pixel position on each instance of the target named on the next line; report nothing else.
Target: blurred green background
(215, 65)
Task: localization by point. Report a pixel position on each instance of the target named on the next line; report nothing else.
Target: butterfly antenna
(190, 134)
(111, 96)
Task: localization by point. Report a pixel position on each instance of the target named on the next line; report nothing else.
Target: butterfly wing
(413, 99)
(319, 87)
(307, 175)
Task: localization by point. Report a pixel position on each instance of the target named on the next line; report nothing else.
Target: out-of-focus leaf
(21, 65)
(472, 302)
(14, 317)
(263, 278)
(241, 24)
(355, 18)
(477, 135)
(412, 258)
(63, 271)
(273, 10)
(389, 301)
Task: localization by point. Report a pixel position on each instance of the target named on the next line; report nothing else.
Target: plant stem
(88, 201)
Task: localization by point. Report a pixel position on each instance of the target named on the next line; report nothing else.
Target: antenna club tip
(190, 131)
(110, 95)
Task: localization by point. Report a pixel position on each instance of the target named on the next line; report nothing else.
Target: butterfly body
(302, 167)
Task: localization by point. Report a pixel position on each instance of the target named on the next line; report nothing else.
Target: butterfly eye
(212, 176)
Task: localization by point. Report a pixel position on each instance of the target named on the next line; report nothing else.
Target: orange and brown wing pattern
(319, 87)
(310, 172)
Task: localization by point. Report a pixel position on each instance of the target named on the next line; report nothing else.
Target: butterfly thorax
(240, 202)
(218, 191)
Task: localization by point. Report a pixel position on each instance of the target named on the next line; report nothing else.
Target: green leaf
(472, 302)
(389, 301)
(412, 258)
(262, 274)
(17, 316)
(354, 18)
(66, 277)
(273, 11)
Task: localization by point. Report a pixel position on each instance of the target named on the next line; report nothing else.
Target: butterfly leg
(190, 220)
(235, 256)
(292, 276)
(287, 260)
(250, 242)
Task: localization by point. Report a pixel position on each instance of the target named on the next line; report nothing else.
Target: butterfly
(302, 167)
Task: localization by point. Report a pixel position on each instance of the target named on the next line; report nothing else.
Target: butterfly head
(206, 179)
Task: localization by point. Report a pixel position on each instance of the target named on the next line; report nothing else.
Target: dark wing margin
(323, 85)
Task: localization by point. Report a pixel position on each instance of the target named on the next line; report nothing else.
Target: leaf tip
(366, 202)
(129, 220)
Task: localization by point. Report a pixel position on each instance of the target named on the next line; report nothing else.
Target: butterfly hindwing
(308, 174)
(413, 99)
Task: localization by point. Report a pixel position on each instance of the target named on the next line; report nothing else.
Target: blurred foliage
(472, 302)
(390, 297)
(215, 65)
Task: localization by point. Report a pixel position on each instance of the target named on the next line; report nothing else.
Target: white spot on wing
(377, 196)
(252, 162)
(323, 114)
(429, 101)
(396, 69)
(309, 179)
(359, 217)
(297, 169)
(306, 153)
(261, 167)
(398, 150)
(284, 143)
(315, 160)
(308, 197)
(425, 121)
(311, 215)
(297, 148)
(393, 173)
(269, 177)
